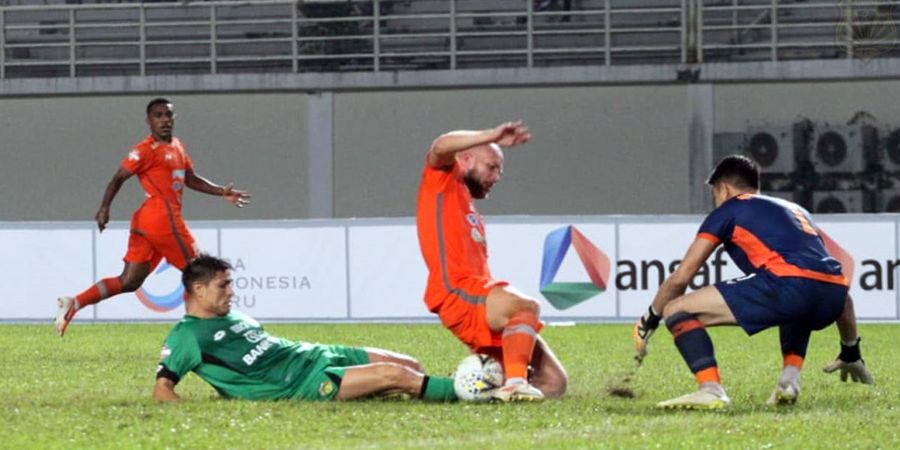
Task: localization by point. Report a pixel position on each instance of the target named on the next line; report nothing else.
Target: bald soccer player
(487, 315)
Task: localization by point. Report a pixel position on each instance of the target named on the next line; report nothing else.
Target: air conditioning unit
(890, 148)
(889, 200)
(777, 149)
(834, 202)
(844, 149)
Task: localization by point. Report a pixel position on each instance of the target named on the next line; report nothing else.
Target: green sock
(438, 389)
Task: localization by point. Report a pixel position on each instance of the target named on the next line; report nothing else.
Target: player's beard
(476, 189)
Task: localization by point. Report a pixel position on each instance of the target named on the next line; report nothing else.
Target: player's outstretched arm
(676, 283)
(102, 216)
(849, 361)
(444, 149)
(164, 390)
(673, 286)
(229, 193)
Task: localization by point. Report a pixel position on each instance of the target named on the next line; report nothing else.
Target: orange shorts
(155, 236)
(464, 313)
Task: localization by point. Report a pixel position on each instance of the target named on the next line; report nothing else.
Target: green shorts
(331, 362)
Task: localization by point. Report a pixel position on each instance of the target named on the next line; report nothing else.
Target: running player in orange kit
(157, 228)
(487, 315)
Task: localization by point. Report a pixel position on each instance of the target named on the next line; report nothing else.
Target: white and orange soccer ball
(476, 377)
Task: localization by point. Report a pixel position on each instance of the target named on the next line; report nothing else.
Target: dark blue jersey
(761, 232)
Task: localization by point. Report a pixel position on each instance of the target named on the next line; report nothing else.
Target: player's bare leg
(131, 278)
(514, 314)
(380, 355)
(379, 378)
(549, 375)
(706, 304)
(385, 378)
(687, 318)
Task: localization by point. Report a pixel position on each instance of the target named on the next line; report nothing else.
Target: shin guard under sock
(695, 346)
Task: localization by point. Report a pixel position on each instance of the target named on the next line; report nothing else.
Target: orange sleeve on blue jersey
(760, 255)
(719, 224)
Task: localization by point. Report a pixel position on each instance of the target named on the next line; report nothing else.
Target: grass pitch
(92, 390)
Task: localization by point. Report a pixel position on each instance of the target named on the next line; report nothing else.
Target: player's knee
(672, 308)
(557, 385)
(130, 284)
(528, 305)
(554, 382)
(408, 361)
(394, 375)
(377, 355)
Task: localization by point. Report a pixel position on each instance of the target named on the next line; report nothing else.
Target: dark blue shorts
(762, 300)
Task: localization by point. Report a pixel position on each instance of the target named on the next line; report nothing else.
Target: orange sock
(708, 375)
(518, 343)
(104, 288)
(792, 359)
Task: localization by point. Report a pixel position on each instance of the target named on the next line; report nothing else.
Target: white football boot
(519, 392)
(787, 389)
(707, 397)
(65, 312)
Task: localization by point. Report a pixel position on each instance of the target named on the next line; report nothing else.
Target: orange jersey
(160, 167)
(451, 233)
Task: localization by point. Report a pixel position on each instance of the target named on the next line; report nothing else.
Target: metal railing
(753, 30)
(387, 35)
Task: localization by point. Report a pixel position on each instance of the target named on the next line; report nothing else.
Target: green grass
(92, 390)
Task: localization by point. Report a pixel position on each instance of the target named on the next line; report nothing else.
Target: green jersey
(239, 359)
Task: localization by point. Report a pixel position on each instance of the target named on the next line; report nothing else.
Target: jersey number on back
(804, 223)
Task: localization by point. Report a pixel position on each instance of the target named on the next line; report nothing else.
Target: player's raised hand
(511, 133)
(236, 197)
(102, 218)
(643, 329)
(851, 365)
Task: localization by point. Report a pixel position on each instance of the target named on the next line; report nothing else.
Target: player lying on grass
(791, 282)
(232, 352)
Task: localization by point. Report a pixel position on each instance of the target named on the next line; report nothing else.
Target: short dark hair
(157, 101)
(736, 170)
(202, 269)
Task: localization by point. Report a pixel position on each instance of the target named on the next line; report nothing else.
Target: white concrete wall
(57, 154)
(738, 104)
(596, 150)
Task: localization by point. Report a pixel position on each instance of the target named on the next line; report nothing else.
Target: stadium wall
(590, 150)
(781, 103)
(371, 269)
(60, 152)
(358, 153)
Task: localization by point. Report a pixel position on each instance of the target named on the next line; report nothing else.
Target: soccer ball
(476, 377)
